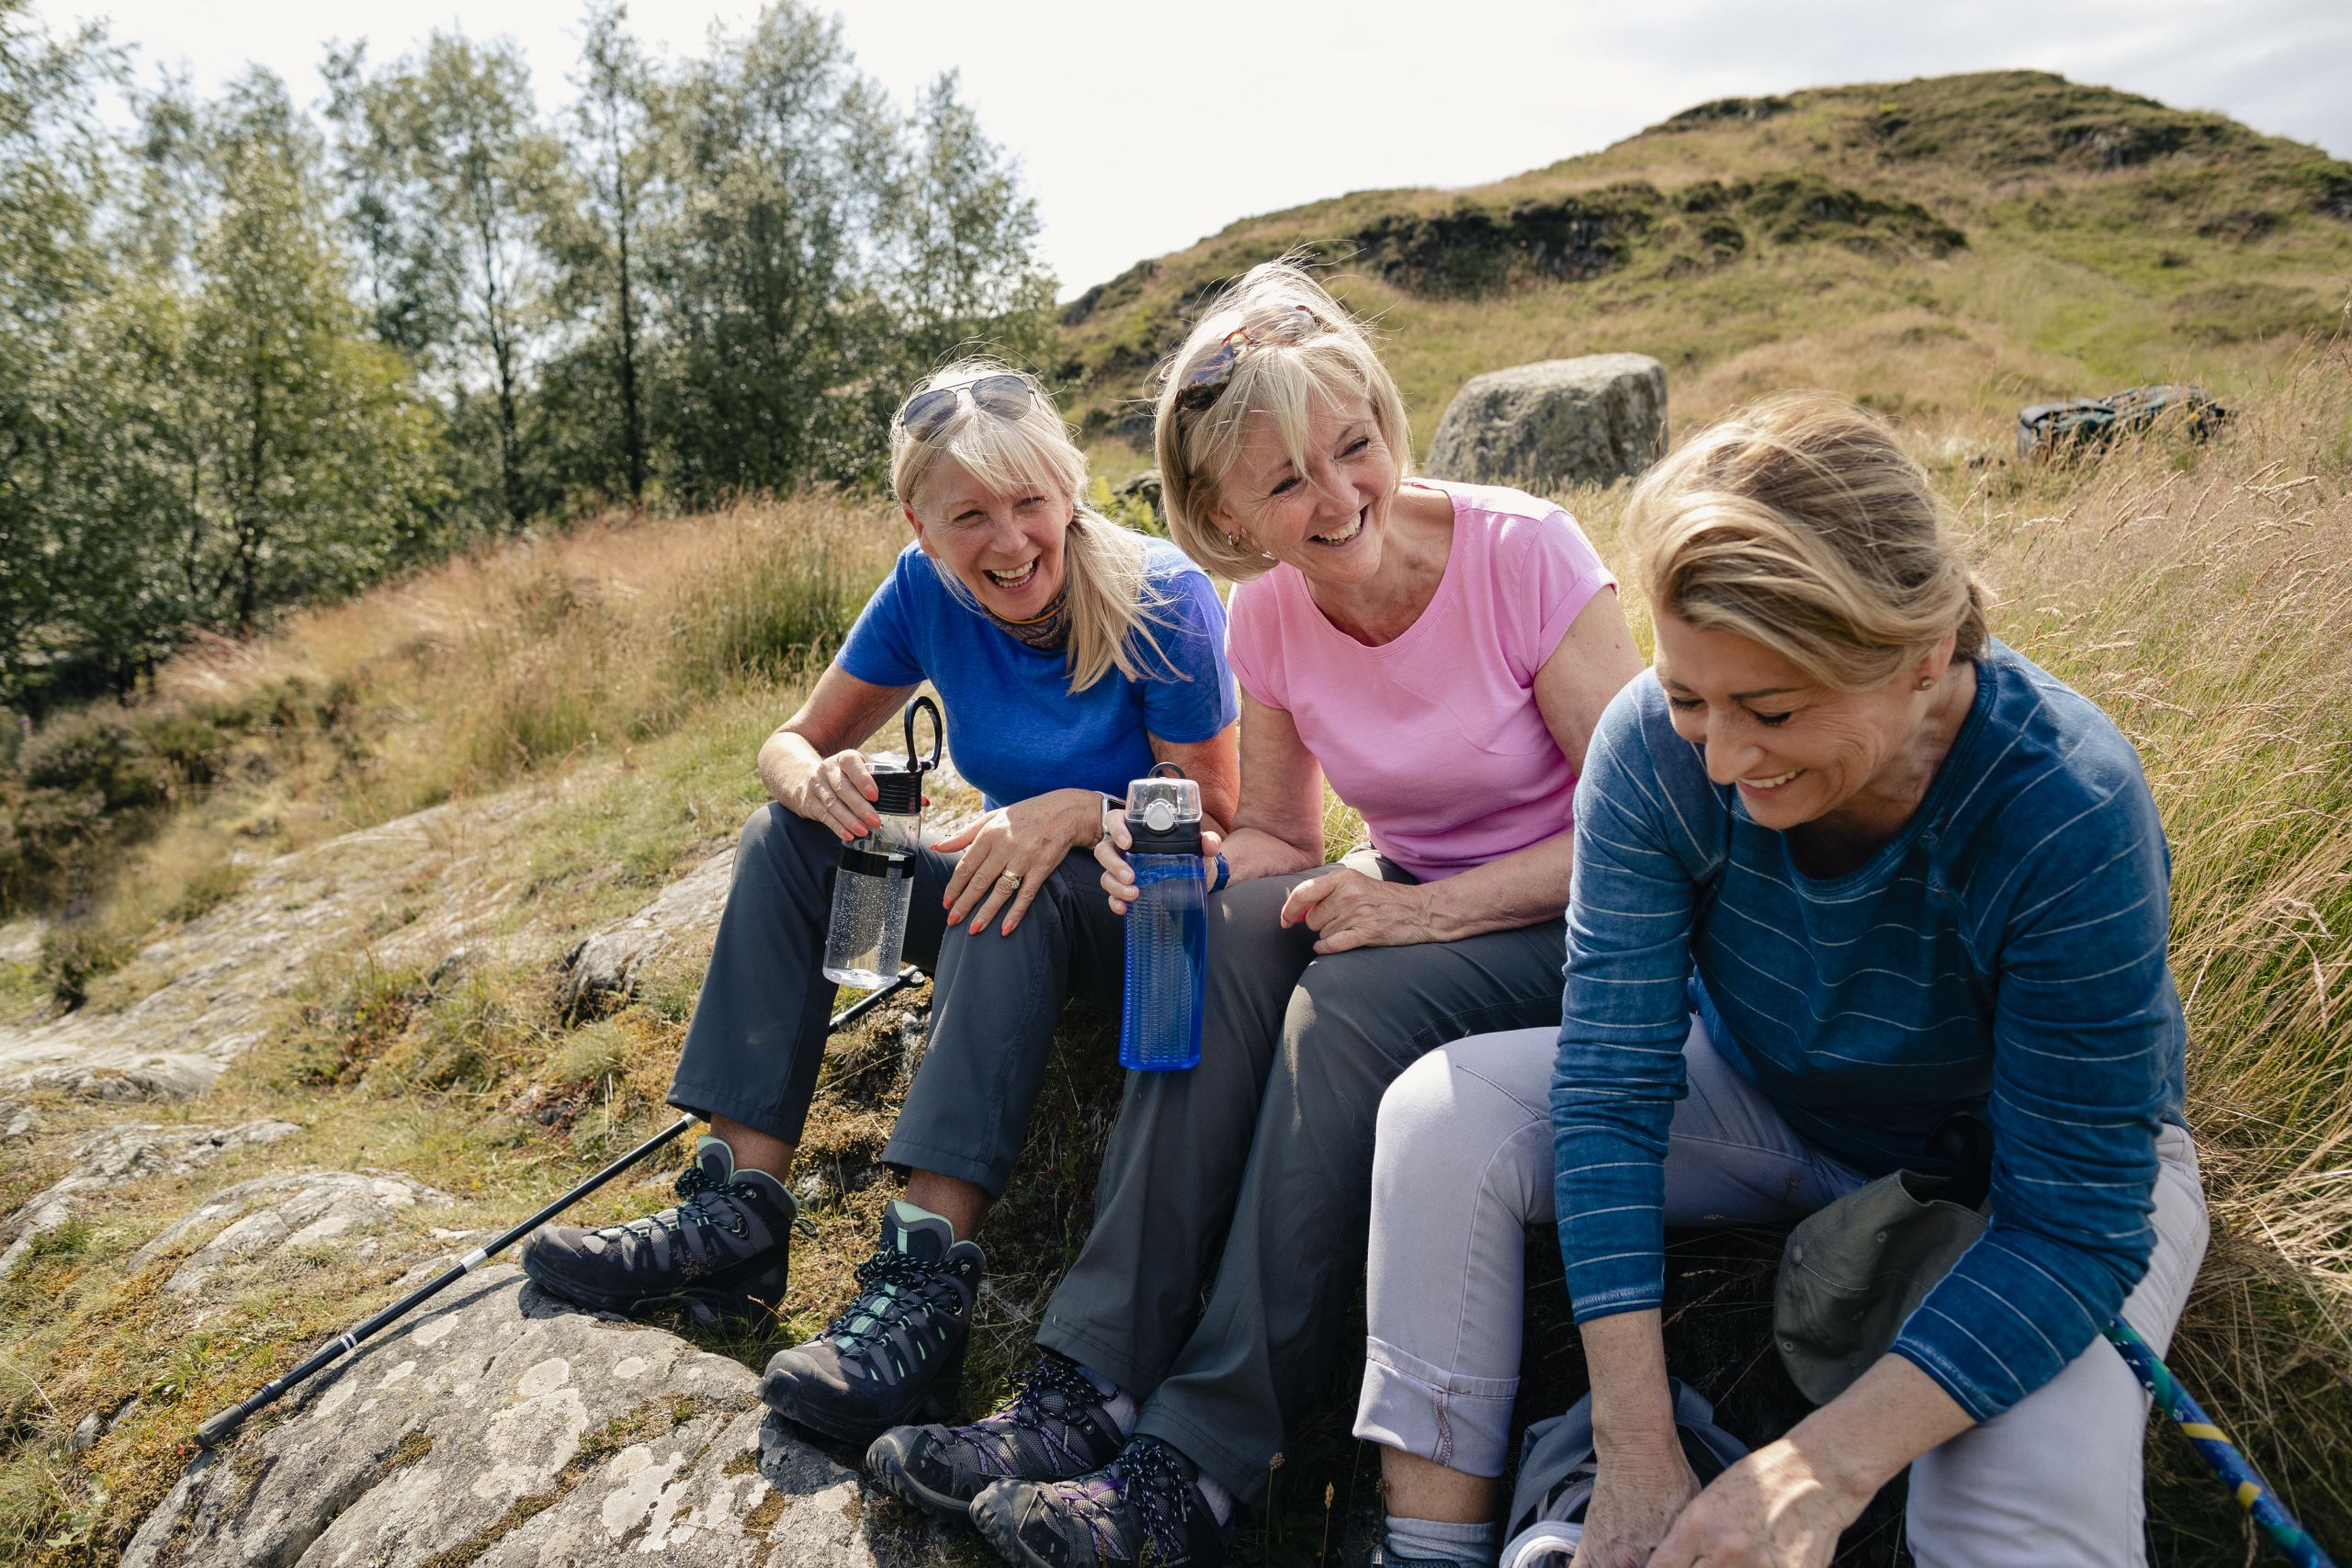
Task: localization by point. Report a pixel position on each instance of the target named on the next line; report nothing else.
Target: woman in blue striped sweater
(1846, 864)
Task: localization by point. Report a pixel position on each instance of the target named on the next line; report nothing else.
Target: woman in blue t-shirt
(1072, 655)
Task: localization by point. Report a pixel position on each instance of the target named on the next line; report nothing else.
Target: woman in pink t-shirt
(1440, 653)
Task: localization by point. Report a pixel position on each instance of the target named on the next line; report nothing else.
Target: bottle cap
(898, 780)
(1164, 813)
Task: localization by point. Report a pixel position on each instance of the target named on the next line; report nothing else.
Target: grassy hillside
(585, 708)
(1945, 249)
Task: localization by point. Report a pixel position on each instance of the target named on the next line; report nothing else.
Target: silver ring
(1012, 879)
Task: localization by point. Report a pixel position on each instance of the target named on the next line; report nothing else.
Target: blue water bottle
(1160, 1023)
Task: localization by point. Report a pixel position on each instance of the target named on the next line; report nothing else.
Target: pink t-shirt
(1435, 738)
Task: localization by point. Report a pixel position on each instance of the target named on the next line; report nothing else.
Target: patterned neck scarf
(1046, 633)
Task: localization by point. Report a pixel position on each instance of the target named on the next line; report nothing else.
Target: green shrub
(193, 746)
(73, 954)
(95, 750)
(207, 891)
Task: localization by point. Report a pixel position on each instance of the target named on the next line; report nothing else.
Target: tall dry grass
(515, 655)
(2203, 597)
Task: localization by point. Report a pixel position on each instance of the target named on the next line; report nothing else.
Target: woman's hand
(1026, 840)
(1776, 1508)
(1634, 1501)
(840, 793)
(1346, 909)
(1118, 876)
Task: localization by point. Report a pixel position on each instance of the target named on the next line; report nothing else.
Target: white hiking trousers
(1463, 1167)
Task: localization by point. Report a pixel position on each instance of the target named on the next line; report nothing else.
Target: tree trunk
(632, 419)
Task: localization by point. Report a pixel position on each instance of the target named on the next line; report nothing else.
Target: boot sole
(936, 1402)
(988, 1513)
(887, 1466)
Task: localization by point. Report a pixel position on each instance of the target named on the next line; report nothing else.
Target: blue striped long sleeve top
(2004, 953)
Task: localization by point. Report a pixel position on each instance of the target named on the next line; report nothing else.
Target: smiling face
(1329, 519)
(1005, 547)
(1799, 751)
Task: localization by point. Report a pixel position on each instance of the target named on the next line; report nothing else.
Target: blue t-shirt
(2004, 953)
(1014, 727)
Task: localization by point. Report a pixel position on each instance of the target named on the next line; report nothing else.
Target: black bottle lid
(897, 785)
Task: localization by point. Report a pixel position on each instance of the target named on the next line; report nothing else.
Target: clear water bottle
(1160, 1022)
(875, 881)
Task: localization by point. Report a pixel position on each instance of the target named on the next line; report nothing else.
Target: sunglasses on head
(927, 414)
(1207, 381)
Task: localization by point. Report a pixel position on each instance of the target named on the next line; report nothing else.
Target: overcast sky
(1142, 127)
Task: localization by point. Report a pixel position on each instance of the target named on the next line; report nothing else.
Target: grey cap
(1855, 1270)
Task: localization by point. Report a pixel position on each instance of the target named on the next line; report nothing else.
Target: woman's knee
(1349, 1014)
(773, 831)
(1413, 1109)
(1444, 1126)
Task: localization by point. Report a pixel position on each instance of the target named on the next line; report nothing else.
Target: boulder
(1555, 423)
(289, 1214)
(103, 1160)
(204, 991)
(603, 969)
(499, 1429)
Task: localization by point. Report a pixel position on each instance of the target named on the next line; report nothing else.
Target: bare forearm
(1518, 889)
(787, 762)
(1253, 852)
(1633, 1411)
(1862, 1439)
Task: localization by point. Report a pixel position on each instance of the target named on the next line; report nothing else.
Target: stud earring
(1927, 682)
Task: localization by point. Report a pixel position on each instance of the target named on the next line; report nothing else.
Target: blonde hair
(1801, 524)
(1112, 605)
(1197, 448)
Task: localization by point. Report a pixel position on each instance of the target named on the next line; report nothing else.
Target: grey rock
(1555, 423)
(123, 1079)
(605, 966)
(497, 1428)
(289, 1212)
(914, 1038)
(20, 941)
(203, 990)
(86, 1433)
(17, 1121)
(601, 969)
(1147, 488)
(105, 1158)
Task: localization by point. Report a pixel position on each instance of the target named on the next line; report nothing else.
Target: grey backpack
(1557, 1464)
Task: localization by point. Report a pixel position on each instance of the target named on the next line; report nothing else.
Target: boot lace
(1150, 1475)
(694, 1187)
(891, 1286)
(1053, 1377)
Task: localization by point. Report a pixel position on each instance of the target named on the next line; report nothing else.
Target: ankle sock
(1117, 1403)
(1470, 1546)
(1220, 1501)
(917, 1211)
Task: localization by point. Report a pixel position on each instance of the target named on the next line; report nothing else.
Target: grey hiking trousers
(1271, 1135)
(758, 1034)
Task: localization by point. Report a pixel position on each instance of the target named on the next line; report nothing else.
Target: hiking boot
(720, 1254)
(1056, 1425)
(895, 1350)
(1144, 1507)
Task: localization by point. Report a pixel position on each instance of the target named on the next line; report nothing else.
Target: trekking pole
(2236, 1472)
(218, 1428)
